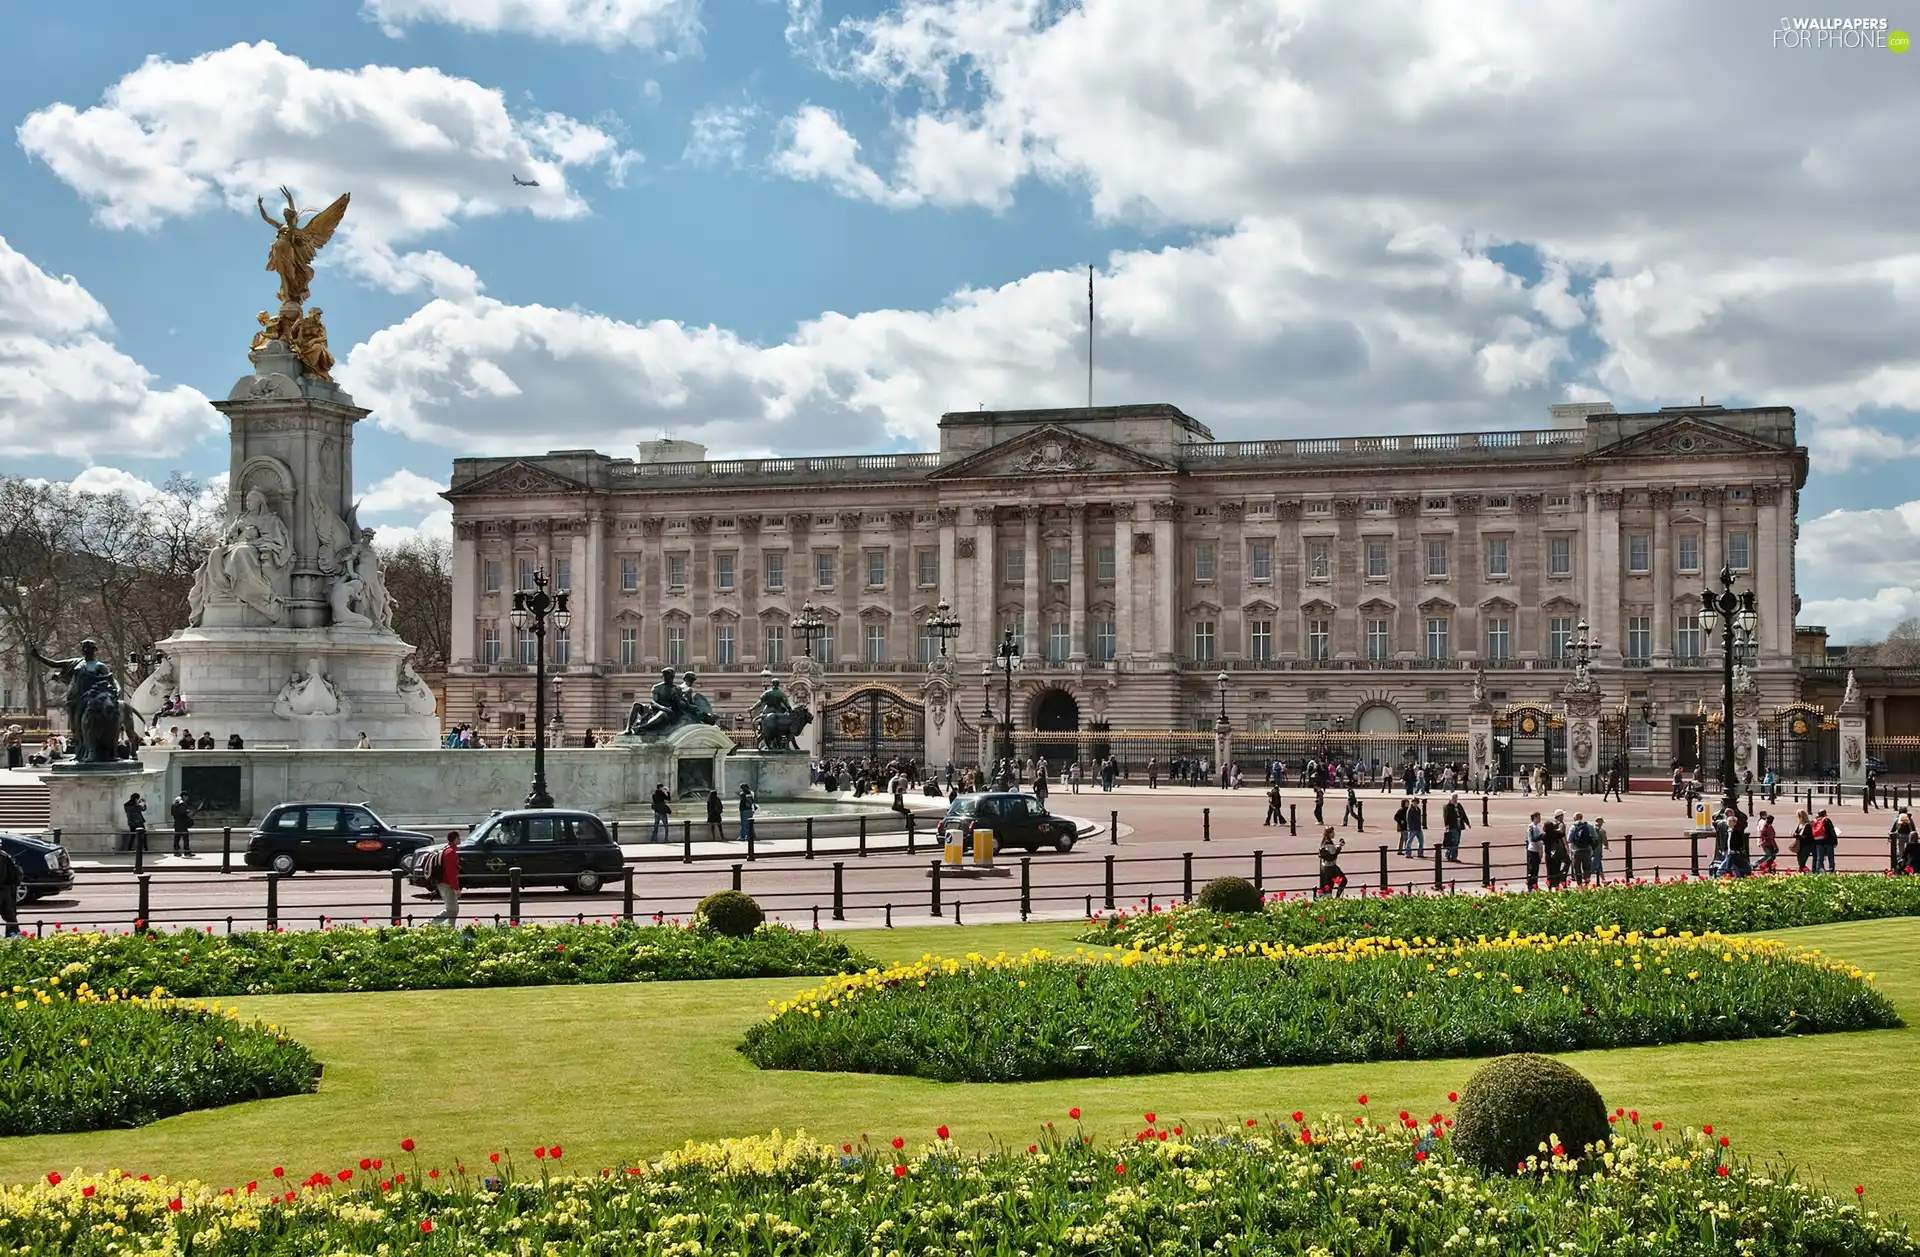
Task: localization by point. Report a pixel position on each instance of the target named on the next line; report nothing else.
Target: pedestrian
(136, 809)
(1453, 819)
(1417, 830)
(440, 870)
(1580, 838)
(1153, 774)
(1676, 781)
(1772, 787)
(16, 746)
(1906, 844)
(1319, 804)
(716, 832)
(661, 811)
(1040, 786)
(1600, 847)
(1400, 824)
(1739, 862)
(1802, 839)
(1536, 845)
(1612, 786)
(1331, 876)
(365, 743)
(1769, 845)
(10, 879)
(1870, 793)
(748, 806)
(1354, 809)
(1274, 816)
(182, 814)
(1826, 842)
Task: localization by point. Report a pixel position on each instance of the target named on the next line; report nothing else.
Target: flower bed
(1264, 1187)
(1138, 1011)
(262, 963)
(85, 1061)
(1727, 906)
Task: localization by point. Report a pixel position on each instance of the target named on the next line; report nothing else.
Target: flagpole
(1089, 336)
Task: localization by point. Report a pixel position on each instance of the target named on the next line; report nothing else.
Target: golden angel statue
(272, 327)
(308, 337)
(295, 243)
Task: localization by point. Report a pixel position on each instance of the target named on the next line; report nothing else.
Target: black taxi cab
(312, 836)
(1017, 821)
(550, 846)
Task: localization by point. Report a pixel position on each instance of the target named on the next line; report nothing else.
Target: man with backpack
(1826, 842)
(1453, 819)
(660, 831)
(1554, 837)
(1582, 840)
(440, 873)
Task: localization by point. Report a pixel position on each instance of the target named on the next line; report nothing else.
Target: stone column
(1603, 609)
(985, 621)
(949, 586)
(1480, 757)
(1287, 578)
(1851, 716)
(1713, 541)
(1662, 558)
(1776, 609)
(1124, 638)
(1231, 575)
(466, 591)
(903, 631)
(700, 590)
(853, 579)
(1581, 700)
(1347, 582)
(942, 718)
(1166, 578)
(1077, 583)
(1746, 724)
(1409, 577)
(1030, 597)
(1469, 574)
(590, 589)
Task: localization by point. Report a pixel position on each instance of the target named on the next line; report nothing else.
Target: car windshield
(962, 806)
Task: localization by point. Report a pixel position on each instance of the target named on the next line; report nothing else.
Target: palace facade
(1356, 583)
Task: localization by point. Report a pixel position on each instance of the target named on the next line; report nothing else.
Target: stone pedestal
(1480, 750)
(772, 774)
(1746, 733)
(87, 806)
(1852, 719)
(690, 761)
(248, 681)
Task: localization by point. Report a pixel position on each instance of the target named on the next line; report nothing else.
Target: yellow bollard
(956, 840)
(983, 848)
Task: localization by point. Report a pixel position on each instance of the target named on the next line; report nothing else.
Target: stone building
(1349, 583)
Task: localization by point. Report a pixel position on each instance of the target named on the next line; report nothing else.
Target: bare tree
(1902, 647)
(419, 575)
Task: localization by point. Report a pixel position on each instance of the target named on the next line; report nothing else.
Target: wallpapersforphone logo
(1822, 33)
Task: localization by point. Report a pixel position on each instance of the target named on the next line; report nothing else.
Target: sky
(811, 226)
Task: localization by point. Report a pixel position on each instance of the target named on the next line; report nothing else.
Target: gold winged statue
(295, 243)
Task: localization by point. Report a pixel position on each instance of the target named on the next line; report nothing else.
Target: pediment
(1557, 603)
(1051, 450)
(1432, 605)
(1498, 604)
(516, 479)
(1317, 606)
(1260, 605)
(1688, 437)
(1379, 604)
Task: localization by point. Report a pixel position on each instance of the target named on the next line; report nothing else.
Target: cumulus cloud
(419, 149)
(718, 134)
(669, 25)
(65, 390)
(399, 492)
(1273, 328)
(1866, 563)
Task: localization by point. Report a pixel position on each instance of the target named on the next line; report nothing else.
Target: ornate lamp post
(141, 660)
(558, 723)
(807, 623)
(1583, 648)
(1008, 656)
(1223, 726)
(532, 609)
(1737, 615)
(944, 625)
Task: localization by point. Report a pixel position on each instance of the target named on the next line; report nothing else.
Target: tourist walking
(1319, 804)
(716, 831)
(1870, 793)
(1153, 774)
(181, 813)
(1906, 844)
(1536, 845)
(1039, 787)
(440, 870)
(1453, 819)
(1802, 839)
(1826, 842)
(661, 811)
(748, 807)
(136, 809)
(1739, 861)
(1353, 811)
(1416, 829)
(1274, 814)
(1581, 839)
(1554, 835)
(1769, 845)
(1332, 878)
(1599, 848)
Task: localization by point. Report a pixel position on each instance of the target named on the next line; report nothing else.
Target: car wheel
(1063, 844)
(283, 864)
(587, 883)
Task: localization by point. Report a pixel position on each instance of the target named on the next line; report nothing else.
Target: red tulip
(433, 1174)
(87, 1190)
(1658, 1125)
(1859, 1190)
(279, 1171)
(345, 1175)
(1120, 1169)
(1453, 1097)
(554, 1152)
(899, 1171)
(365, 1163)
(1150, 1119)
(406, 1145)
(1363, 1099)
(1721, 1170)
(1298, 1116)
(1723, 1141)
(1419, 1156)
(899, 1142)
(940, 1131)
(53, 1178)
(1251, 1121)
(1032, 1148)
(494, 1157)
(1706, 1130)
(426, 1226)
(540, 1153)
(1074, 1113)
(1357, 1164)
(251, 1185)
(176, 1204)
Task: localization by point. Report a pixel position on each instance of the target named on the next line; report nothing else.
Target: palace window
(1640, 637)
(826, 568)
(1103, 640)
(1319, 508)
(776, 569)
(929, 647)
(1319, 640)
(1436, 558)
(629, 573)
(723, 644)
(1014, 567)
(562, 648)
(1260, 561)
(490, 645)
(1737, 555)
(1059, 641)
(1559, 633)
(1103, 564)
(773, 640)
(1203, 563)
(723, 572)
(526, 568)
(1377, 647)
(827, 648)
(1499, 637)
(1260, 640)
(629, 646)
(526, 647)
(1560, 501)
(1319, 560)
(876, 643)
(677, 645)
(1688, 639)
(1203, 641)
(1560, 556)
(927, 565)
(1437, 628)
(1376, 560)
(1497, 557)
(1500, 503)
(563, 574)
(1059, 565)
(490, 576)
(1639, 554)
(876, 569)
(1689, 556)
(677, 572)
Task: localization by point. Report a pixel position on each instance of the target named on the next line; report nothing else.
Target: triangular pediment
(516, 479)
(1051, 450)
(1688, 437)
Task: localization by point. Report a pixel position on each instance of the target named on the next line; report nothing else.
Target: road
(1166, 838)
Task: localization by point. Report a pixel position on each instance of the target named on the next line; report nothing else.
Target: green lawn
(616, 1072)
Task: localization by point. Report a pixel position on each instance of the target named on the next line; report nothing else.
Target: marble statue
(309, 695)
(670, 706)
(346, 590)
(246, 564)
(308, 337)
(295, 243)
(415, 692)
(97, 716)
(358, 592)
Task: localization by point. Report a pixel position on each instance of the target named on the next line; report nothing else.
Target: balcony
(843, 467)
(1544, 443)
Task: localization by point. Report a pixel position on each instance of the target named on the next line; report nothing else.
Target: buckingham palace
(1154, 580)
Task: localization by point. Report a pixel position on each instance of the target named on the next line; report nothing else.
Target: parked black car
(310, 836)
(44, 866)
(550, 847)
(1017, 820)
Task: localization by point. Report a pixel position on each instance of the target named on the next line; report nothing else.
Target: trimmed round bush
(1230, 894)
(1516, 1103)
(731, 912)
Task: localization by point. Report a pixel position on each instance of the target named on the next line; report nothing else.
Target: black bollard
(1186, 876)
(273, 901)
(1486, 864)
(1439, 862)
(146, 889)
(752, 836)
(809, 837)
(839, 891)
(1113, 829)
(226, 849)
(934, 905)
(1109, 883)
(1293, 820)
(1629, 849)
(399, 882)
(1206, 824)
(513, 895)
(1483, 811)
(1026, 886)
(1259, 872)
(1384, 883)
(736, 876)
(626, 895)
(863, 836)
(912, 844)
(686, 842)
(615, 826)
(1694, 839)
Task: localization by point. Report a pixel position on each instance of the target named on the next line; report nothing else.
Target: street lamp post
(558, 723)
(532, 609)
(944, 625)
(1737, 615)
(1223, 726)
(142, 659)
(807, 623)
(1008, 655)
